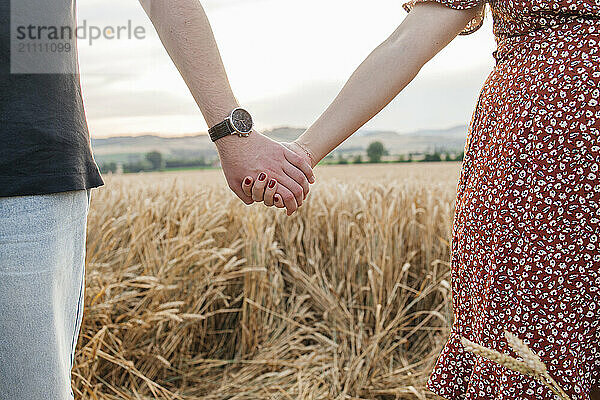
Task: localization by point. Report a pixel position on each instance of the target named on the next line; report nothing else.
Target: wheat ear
(531, 365)
(505, 360)
(533, 360)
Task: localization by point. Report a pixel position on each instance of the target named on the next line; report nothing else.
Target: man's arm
(185, 32)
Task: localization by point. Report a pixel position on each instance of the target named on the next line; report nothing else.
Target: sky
(286, 61)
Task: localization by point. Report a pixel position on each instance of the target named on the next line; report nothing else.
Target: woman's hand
(266, 189)
(303, 152)
(257, 154)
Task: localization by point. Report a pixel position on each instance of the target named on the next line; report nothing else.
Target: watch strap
(220, 130)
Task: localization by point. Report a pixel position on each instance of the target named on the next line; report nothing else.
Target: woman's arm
(426, 30)
(187, 36)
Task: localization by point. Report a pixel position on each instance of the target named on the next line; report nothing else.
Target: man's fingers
(301, 164)
(247, 186)
(270, 192)
(297, 176)
(277, 201)
(289, 200)
(258, 190)
(293, 187)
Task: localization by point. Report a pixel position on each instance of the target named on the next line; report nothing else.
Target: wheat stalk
(505, 360)
(533, 360)
(531, 365)
(192, 296)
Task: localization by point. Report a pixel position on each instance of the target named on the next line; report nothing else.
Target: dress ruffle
(472, 26)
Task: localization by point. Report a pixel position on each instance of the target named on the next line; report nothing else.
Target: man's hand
(265, 188)
(185, 32)
(242, 157)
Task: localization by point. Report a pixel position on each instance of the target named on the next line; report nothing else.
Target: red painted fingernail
(247, 181)
(262, 176)
(272, 183)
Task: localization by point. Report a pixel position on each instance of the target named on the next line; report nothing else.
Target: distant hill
(133, 148)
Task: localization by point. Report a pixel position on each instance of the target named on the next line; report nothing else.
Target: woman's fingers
(278, 201)
(270, 192)
(301, 164)
(284, 192)
(247, 186)
(297, 176)
(258, 190)
(267, 190)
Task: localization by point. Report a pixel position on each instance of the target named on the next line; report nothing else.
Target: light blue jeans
(42, 257)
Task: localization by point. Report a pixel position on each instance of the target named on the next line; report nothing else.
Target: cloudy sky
(286, 61)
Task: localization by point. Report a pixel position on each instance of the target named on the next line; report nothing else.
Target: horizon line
(202, 133)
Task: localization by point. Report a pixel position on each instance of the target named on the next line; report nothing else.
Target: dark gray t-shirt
(44, 140)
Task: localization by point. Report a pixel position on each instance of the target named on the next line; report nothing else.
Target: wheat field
(192, 295)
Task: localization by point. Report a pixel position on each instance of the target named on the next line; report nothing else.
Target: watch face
(241, 120)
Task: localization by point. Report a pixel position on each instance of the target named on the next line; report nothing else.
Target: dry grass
(191, 295)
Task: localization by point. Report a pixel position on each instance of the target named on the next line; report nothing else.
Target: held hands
(268, 189)
(257, 155)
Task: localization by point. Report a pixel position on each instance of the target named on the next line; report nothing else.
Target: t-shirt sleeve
(473, 25)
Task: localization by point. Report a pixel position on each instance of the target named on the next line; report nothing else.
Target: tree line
(154, 161)
(376, 151)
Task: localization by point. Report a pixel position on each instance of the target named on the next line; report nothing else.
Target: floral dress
(526, 234)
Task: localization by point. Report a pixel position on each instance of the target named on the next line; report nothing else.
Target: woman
(525, 248)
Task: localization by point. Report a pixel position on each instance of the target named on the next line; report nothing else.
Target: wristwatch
(239, 122)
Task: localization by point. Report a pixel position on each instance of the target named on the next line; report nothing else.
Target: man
(47, 171)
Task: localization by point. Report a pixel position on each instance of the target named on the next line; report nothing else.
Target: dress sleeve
(472, 26)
